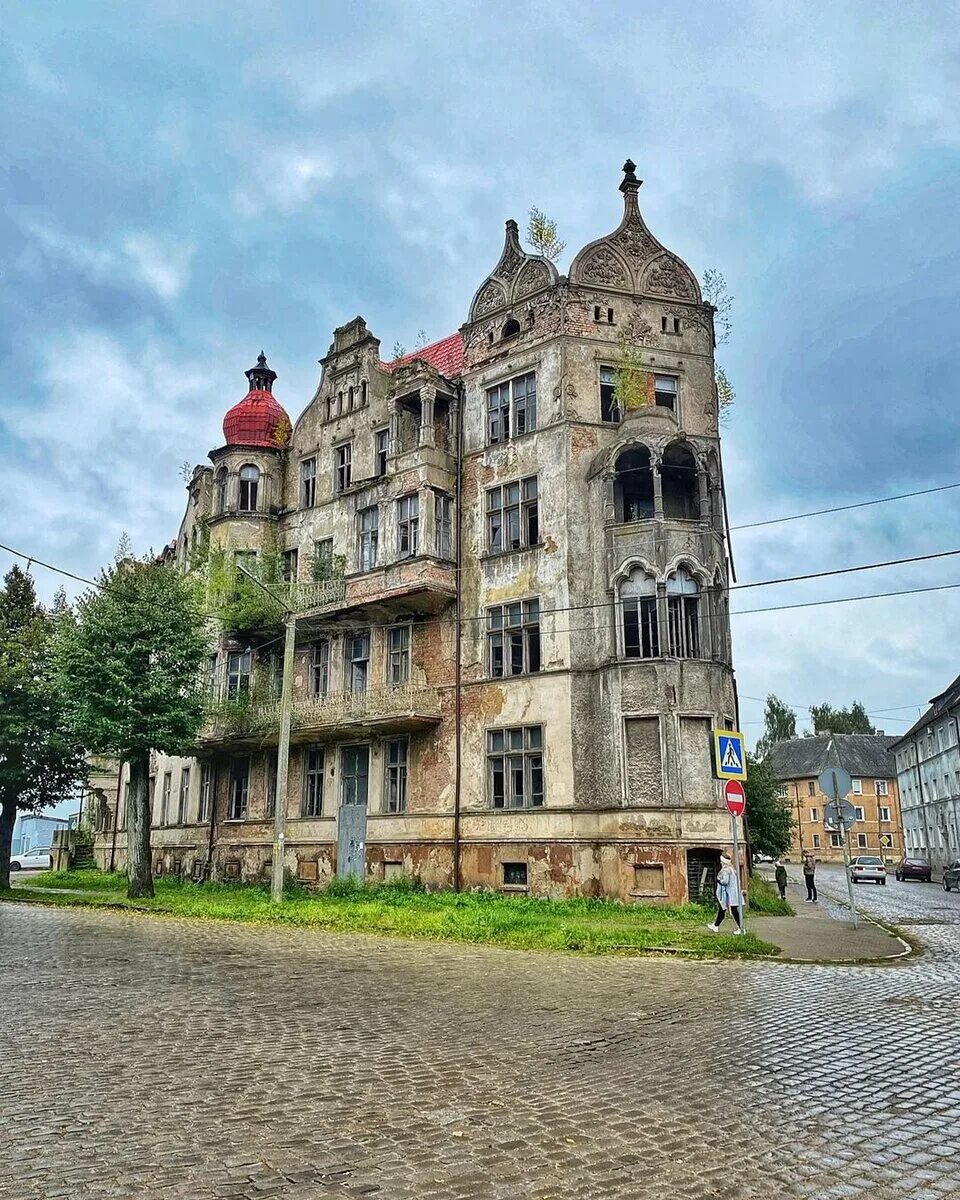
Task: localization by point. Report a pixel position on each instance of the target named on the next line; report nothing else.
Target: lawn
(399, 910)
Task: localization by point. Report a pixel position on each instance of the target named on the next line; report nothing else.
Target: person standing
(780, 875)
(729, 897)
(809, 877)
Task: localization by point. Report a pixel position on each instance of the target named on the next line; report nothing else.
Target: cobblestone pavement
(145, 1057)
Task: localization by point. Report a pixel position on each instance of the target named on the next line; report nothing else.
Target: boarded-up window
(648, 877)
(307, 870)
(696, 774)
(392, 870)
(644, 767)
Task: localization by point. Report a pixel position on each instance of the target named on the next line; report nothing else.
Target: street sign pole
(845, 829)
(736, 867)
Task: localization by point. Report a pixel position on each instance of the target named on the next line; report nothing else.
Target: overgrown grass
(763, 898)
(401, 909)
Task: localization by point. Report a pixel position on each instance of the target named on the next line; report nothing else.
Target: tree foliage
(41, 761)
(542, 235)
(716, 293)
(779, 725)
(768, 814)
(827, 719)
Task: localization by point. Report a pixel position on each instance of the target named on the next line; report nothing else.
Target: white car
(867, 868)
(32, 860)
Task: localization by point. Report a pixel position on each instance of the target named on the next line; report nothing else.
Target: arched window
(363, 393)
(350, 398)
(633, 488)
(683, 613)
(220, 491)
(638, 600)
(249, 486)
(681, 493)
(511, 329)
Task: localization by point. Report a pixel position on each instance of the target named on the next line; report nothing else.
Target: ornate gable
(516, 276)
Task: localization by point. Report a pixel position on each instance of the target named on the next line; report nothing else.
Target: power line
(820, 512)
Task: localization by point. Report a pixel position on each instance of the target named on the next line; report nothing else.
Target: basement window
(648, 877)
(514, 874)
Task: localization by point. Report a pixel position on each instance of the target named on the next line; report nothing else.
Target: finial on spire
(630, 181)
(261, 377)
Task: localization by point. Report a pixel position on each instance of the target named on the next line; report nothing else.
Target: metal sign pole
(846, 849)
(736, 867)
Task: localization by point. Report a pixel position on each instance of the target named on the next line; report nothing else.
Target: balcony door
(352, 813)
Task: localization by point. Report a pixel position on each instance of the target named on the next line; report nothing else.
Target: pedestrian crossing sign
(729, 756)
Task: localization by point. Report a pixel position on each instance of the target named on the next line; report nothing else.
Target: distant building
(870, 764)
(34, 831)
(928, 773)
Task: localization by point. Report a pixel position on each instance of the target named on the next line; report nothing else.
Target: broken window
(381, 451)
(514, 874)
(398, 655)
(358, 661)
(369, 521)
(308, 483)
(513, 517)
(512, 408)
(408, 526)
(290, 563)
(665, 390)
(633, 485)
(320, 668)
(323, 559)
(249, 487)
(206, 793)
(220, 491)
(514, 638)
(354, 770)
(270, 785)
(443, 517)
(683, 611)
(183, 800)
(396, 775)
(510, 329)
(515, 767)
(343, 466)
(679, 477)
(239, 788)
(641, 633)
(239, 663)
(313, 764)
(609, 405)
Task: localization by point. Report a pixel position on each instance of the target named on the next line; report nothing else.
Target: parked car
(33, 860)
(867, 868)
(913, 868)
(951, 876)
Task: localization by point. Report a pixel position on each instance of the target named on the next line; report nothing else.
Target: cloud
(283, 179)
(162, 264)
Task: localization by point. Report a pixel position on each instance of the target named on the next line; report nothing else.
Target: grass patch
(763, 897)
(402, 909)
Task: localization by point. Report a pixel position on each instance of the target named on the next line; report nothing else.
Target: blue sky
(185, 183)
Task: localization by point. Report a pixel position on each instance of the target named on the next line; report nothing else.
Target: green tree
(129, 664)
(542, 235)
(779, 725)
(827, 719)
(717, 294)
(768, 814)
(41, 762)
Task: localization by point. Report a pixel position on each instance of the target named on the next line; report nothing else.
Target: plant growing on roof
(542, 235)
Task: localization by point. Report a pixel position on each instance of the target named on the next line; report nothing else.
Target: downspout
(458, 686)
(213, 819)
(116, 817)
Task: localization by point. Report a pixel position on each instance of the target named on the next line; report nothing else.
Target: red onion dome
(258, 420)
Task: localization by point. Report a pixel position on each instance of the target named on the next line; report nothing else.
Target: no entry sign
(735, 796)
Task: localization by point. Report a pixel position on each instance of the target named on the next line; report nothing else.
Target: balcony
(312, 596)
(340, 715)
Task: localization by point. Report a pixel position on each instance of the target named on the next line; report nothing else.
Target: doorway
(352, 814)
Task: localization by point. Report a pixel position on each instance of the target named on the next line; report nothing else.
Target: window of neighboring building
(165, 797)
(381, 451)
(513, 516)
(858, 787)
(183, 801)
(443, 517)
(836, 840)
(880, 787)
(811, 788)
(249, 487)
(398, 655)
(814, 814)
(291, 560)
(358, 661)
(239, 788)
(861, 841)
(942, 737)
(515, 767)
(369, 536)
(270, 785)
(683, 612)
(816, 841)
(861, 815)
(665, 391)
(239, 663)
(884, 813)
(408, 525)
(220, 491)
(513, 638)
(320, 668)
(308, 483)
(641, 632)
(782, 791)
(512, 408)
(609, 405)
(205, 804)
(343, 466)
(396, 775)
(313, 762)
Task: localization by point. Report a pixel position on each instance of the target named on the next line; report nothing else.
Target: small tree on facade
(768, 813)
(542, 235)
(716, 292)
(41, 762)
(129, 663)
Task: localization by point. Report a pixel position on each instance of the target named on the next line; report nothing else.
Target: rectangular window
(884, 813)
(165, 797)
(239, 788)
(514, 874)
(291, 560)
(320, 668)
(398, 655)
(880, 787)
(270, 785)
(323, 559)
(814, 814)
(183, 801)
(396, 777)
(671, 325)
(511, 408)
(213, 674)
(358, 661)
(343, 466)
(857, 787)
(641, 631)
(313, 761)
(836, 840)
(308, 483)
(443, 519)
(381, 451)
(513, 517)
(665, 389)
(861, 815)
(354, 769)
(811, 788)
(816, 841)
(205, 806)
(369, 536)
(862, 841)
(933, 790)
(515, 767)
(408, 526)
(782, 791)
(609, 405)
(942, 737)
(239, 664)
(513, 638)
(683, 613)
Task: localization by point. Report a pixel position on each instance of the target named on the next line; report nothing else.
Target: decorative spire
(261, 377)
(630, 186)
(512, 257)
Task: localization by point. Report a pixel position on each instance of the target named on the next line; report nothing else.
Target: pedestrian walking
(809, 877)
(729, 897)
(780, 875)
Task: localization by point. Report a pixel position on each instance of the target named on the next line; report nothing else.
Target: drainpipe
(116, 817)
(213, 818)
(458, 685)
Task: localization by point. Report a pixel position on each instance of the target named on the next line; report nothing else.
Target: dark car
(951, 876)
(913, 868)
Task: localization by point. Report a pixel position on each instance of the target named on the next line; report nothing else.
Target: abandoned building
(507, 558)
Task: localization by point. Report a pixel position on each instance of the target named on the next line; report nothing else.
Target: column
(427, 432)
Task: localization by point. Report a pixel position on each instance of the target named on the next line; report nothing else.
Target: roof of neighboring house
(446, 355)
(862, 755)
(949, 697)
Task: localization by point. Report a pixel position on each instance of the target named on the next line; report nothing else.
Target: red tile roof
(258, 420)
(446, 355)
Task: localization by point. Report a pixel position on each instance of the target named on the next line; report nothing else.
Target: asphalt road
(151, 1057)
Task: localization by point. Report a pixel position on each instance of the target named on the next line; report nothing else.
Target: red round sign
(735, 796)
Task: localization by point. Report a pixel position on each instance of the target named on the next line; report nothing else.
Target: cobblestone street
(144, 1057)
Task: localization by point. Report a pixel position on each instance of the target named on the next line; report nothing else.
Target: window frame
(270, 785)
(290, 568)
(514, 635)
(311, 801)
(443, 524)
(381, 451)
(684, 616)
(505, 510)
(342, 466)
(856, 786)
(183, 796)
(408, 525)
(508, 406)
(308, 481)
(205, 799)
(166, 790)
(238, 802)
(368, 538)
(881, 787)
(398, 656)
(673, 393)
(883, 813)
(352, 661)
(610, 413)
(320, 669)
(504, 746)
(242, 674)
(248, 489)
(396, 773)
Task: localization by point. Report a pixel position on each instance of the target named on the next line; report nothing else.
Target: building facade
(928, 772)
(868, 760)
(507, 558)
